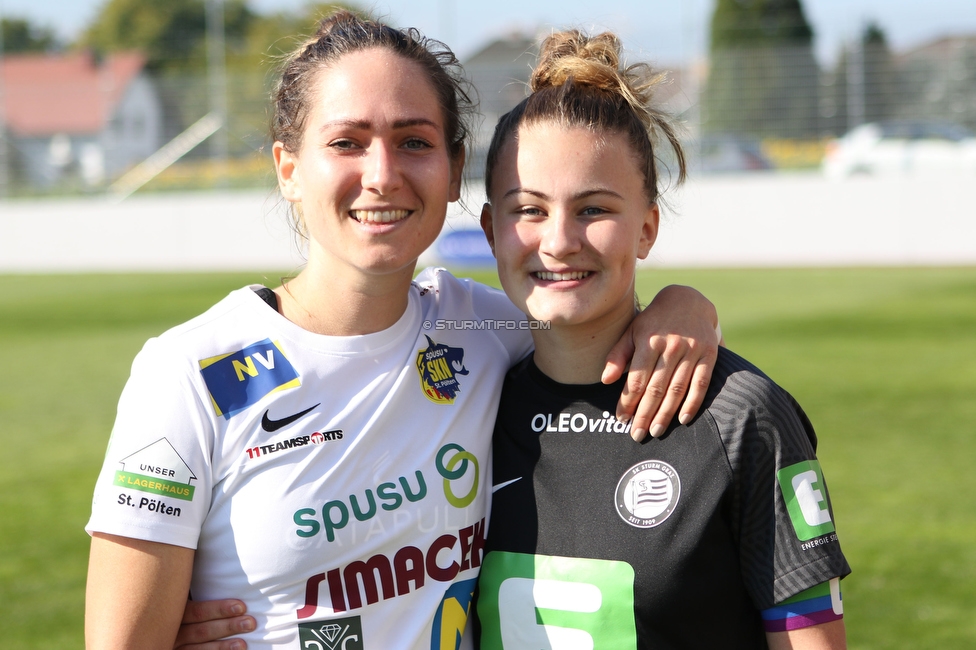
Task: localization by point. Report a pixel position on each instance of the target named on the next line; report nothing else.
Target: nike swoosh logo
(496, 488)
(273, 425)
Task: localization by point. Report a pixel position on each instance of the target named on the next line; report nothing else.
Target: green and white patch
(806, 499)
(541, 601)
(157, 469)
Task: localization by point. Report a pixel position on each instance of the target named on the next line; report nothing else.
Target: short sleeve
(155, 483)
(781, 511)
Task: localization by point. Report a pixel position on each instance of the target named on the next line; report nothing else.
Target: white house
(77, 115)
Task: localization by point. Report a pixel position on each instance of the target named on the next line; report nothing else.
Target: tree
(879, 75)
(269, 38)
(19, 35)
(862, 86)
(763, 78)
(757, 23)
(172, 34)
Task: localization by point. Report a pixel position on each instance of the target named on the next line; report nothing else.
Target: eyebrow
(585, 194)
(366, 124)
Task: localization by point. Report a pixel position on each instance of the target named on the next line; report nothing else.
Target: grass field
(883, 361)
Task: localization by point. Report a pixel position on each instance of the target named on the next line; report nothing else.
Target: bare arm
(674, 344)
(827, 636)
(136, 593)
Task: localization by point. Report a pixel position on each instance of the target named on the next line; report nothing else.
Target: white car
(902, 147)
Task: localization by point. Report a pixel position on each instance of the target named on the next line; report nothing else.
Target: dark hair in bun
(579, 82)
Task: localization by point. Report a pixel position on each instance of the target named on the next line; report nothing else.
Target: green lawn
(883, 361)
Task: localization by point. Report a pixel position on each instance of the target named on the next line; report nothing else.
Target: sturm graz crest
(648, 493)
(335, 634)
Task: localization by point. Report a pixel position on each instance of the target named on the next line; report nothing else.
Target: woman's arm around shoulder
(670, 348)
(136, 593)
(208, 624)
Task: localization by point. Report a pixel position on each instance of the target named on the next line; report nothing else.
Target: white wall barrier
(742, 220)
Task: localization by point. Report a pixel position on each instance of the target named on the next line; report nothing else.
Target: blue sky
(665, 31)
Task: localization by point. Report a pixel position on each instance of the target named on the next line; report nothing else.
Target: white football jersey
(337, 485)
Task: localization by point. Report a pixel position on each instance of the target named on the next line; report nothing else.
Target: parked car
(726, 152)
(901, 146)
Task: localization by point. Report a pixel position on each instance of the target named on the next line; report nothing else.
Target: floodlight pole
(855, 84)
(217, 81)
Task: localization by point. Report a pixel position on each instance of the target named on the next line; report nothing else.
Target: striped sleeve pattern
(763, 430)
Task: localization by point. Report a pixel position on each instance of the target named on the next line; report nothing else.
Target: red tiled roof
(44, 94)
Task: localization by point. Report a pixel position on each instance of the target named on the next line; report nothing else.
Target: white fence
(742, 220)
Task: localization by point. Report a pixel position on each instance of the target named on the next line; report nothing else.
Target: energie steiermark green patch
(806, 499)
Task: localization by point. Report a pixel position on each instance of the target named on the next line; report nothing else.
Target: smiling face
(567, 220)
(373, 176)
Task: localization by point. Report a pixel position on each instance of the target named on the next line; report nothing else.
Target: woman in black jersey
(719, 533)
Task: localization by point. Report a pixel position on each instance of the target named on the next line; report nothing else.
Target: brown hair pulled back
(579, 82)
(344, 32)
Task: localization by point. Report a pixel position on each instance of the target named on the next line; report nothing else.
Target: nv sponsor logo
(439, 367)
(541, 601)
(239, 379)
(157, 469)
(335, 634)
(364, 582)
(461, 477)
(805, 494)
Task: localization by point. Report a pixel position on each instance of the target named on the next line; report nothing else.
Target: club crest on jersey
(439, 367)
(647, 494)
(239, 379)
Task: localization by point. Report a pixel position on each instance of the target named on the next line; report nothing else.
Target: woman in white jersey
(321, 450)
(718, 534)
